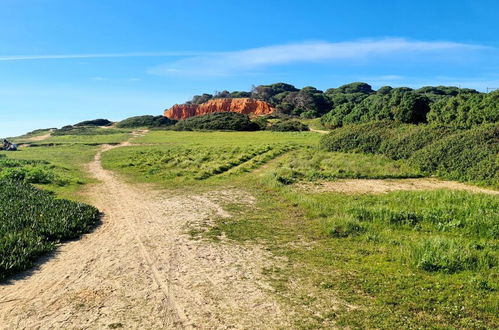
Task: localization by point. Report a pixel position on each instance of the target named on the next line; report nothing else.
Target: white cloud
(226, 63)
(104, 55)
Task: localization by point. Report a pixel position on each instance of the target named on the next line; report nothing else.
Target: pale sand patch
(383, 186)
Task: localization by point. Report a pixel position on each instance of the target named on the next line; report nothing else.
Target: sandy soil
(139, 270)
(41, 137)
(319, 131)
(368, 186)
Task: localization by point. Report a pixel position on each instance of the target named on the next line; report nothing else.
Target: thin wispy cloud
(104, 55)
(226, 63)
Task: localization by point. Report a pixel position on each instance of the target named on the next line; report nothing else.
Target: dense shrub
(466, 110)
(230, 121)
(470, 155)
(262, 122)
(359, 138)
(146, 121)
(288, 126)
(358, 103)
(94, 122)
(449, 256)
(32, 221)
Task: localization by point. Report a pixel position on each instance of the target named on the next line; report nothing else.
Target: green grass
(229, 139)
(66, 162)
(194, 158)
(85, 139)
(312, 164)
(26, 137)
(405, 259)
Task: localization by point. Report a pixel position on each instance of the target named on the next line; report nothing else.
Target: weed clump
(347, 228)
(449, 256)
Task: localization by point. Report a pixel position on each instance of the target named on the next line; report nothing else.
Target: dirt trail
(139, 270)
(41, 137)
(381, 186)
(319, 131)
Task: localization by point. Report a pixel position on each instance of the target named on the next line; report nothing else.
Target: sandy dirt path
(319, 131)
(383, 186)
(139, 270)
(41, 137)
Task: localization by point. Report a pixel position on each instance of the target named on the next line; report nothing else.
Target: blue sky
(66, 61)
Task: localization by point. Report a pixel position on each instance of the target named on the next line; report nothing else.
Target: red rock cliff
(241, 105)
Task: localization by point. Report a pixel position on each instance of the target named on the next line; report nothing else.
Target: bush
(262, 122)
(288, 126)
(95, 122)
(407, 139)
(230, 121)
(146, 121)
(358, 138)
(471, 155)
(466, 110)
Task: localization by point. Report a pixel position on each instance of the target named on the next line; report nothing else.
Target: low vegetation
(403, 259)
(466, 155)
(311, 164)
(94, 122)
(229, 121)
(146, 121)
(33, 221)
(85, 130)
(288, 126)
(184, 164)
(357, 102)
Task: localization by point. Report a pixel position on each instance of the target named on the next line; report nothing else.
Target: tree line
(358, 103)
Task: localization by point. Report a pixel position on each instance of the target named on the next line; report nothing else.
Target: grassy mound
(94, 122)
(146, 121)
(288, 126)
(85, 130)
(230, 121)
(466, 155)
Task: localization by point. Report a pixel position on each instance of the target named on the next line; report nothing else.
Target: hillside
(358, 102)
(222, 219)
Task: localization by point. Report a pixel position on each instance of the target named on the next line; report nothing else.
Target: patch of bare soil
(370, 186)
(319, 131)
(41, 137)
(139, 270)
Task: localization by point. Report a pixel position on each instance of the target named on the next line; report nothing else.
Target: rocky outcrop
(246, 106)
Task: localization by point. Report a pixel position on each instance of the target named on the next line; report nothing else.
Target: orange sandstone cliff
(246, 106)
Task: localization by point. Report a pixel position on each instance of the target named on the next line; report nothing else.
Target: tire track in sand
(138, 270)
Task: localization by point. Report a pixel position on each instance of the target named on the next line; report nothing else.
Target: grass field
(406, 259)
(66, 161)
